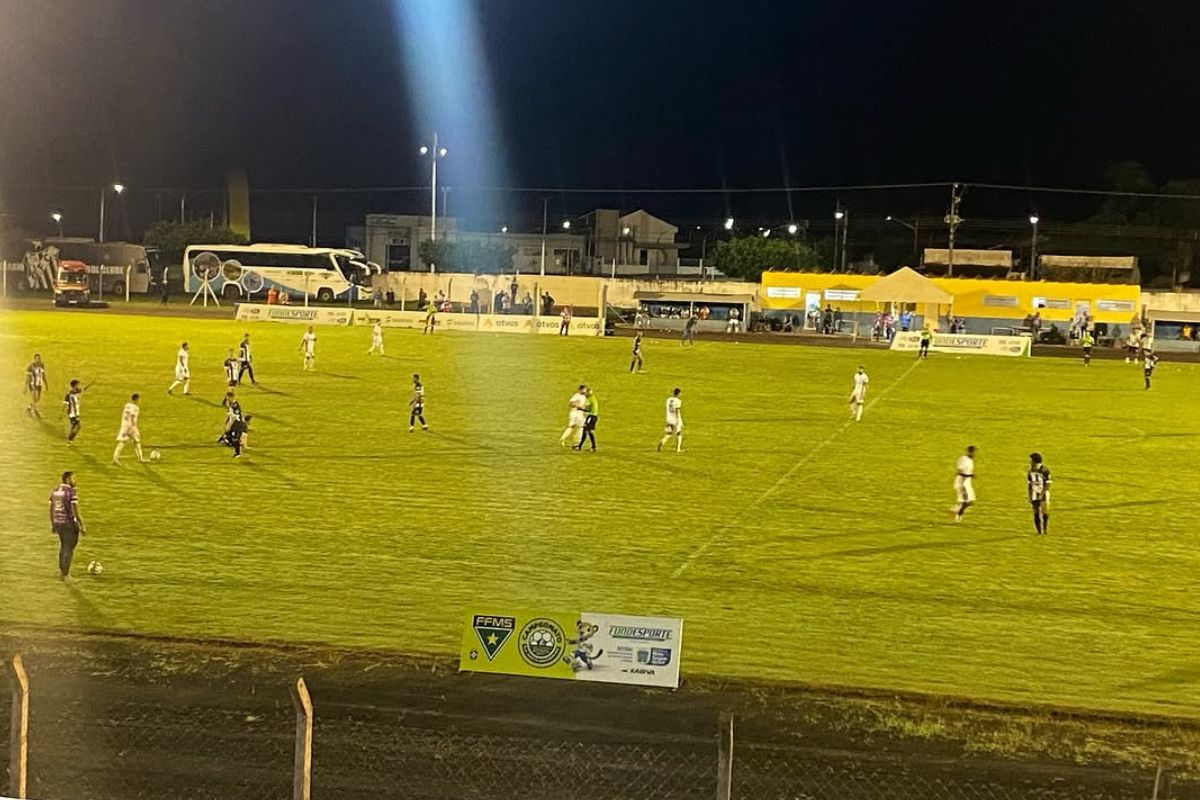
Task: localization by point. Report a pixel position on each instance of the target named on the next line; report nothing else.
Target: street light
(914, 226)
(116, 187)
(58, 218)
(793, 229)
(766, 232)
(566, 224)
(434, 154)
(1033, 220)
(729, 223)
(843, 217)
(504, 229)
(626, 230)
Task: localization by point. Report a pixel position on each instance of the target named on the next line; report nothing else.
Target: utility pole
(953, 220)
(845, 233)
(545, 216)
(312, 236)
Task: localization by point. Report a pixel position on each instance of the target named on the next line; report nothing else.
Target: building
(597, 243)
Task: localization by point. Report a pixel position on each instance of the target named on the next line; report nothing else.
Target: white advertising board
(965, 343)
(255, 312)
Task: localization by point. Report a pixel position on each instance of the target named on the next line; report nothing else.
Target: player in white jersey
(129, 430)
(964, 483)
(575, 416)
(376, 339)
(183, 375)
(308, 345)
(674, 422)
(858, 395)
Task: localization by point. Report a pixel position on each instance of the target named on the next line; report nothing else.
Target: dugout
(670, 310)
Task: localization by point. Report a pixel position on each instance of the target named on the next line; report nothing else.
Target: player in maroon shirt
(66, 522)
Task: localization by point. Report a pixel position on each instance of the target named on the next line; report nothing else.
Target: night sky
(626, 94)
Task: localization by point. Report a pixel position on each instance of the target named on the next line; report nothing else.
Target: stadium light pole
(843, 218)
(1034, 219)
(726, 227)
(58, 218)
(117, 187)
(435, 154)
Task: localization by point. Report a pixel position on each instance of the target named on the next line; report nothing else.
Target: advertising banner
(587, 646)
(390, 318)
(965, 343)
(253, 312)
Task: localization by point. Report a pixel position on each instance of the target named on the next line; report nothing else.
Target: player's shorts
(673, 428)
(418, 409)
(856, 397)
(590, 422)
(964, 489)
(1041, 502)
(129, 435)
(575, 419)
(182, 374)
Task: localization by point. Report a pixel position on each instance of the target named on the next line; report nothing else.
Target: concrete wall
(1171, 301)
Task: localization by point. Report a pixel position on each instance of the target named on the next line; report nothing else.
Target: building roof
(691, 297)
(906, 286)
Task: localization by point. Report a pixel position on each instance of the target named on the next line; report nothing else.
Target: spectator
(877, 327)
(498, 302)
(889, 327)
(166, 290)
(527, 303)
(734, 325)
(474, 301)
(905, 320)
(1035, 324)
(422, 299)
(837, 320)
(512, 288)
(391, 297)
(704, 312)
(377, 297)
(505, 303)
(827, 320)
(285, 299)
(272, 296)
(440, 299)
(547, 303)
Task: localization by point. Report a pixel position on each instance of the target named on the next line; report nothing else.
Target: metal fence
(153, 741)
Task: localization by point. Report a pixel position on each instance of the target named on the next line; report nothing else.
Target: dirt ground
(125, 717)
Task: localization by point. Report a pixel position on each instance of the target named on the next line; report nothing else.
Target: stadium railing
(149, 742)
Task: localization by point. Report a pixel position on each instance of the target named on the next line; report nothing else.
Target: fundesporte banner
(965, 343)
(256, 312)
(584, 646)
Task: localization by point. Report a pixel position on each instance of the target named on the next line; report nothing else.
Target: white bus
(248, 271)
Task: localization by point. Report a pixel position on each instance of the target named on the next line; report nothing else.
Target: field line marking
(786, 476)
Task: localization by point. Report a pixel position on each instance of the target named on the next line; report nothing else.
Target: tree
(172, 238)
(748, 257)
(468, 255)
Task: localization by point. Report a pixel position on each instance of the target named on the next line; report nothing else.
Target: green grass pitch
(797, 547)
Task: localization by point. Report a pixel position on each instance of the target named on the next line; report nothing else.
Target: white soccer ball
(155, 455)
(95, 567)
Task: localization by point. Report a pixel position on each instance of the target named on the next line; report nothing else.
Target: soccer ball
(155, 455)
(95, 567)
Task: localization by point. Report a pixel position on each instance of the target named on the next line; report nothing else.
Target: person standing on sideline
(636, 361)
(308, 346)
(926, 340)
(858, 395)
(129, 430)
(183, 374)
(245, 359)
(674, 422)
(1087, 342)
(35, 383)
(689, 331)
(376, 339)
(564, 328)
(574, 415)
(591, 414)
(734, 324)
(964, 483)
(1038, 480)
(66, 522)
(416, 406)
(71, 403)
(1149, 362)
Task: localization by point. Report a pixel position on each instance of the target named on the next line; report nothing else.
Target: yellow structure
(974, 298)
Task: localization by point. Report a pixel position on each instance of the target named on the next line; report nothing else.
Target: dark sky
(656, 93)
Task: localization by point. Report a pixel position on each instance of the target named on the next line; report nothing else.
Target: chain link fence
(125, 741)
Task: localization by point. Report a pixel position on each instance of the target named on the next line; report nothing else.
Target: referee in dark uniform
(66, 522)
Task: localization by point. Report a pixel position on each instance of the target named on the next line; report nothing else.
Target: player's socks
(1037, 521)
(1045, 524)
(116, 459)
(679, 443)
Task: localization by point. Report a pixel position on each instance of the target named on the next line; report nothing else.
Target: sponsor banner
(580, 326)
(965, 343)
(254, 312)
(587, 646)
(505, 323)
(447, 321)
(391, 318)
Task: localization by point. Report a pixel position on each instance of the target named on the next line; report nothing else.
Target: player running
(674, 422)
(129, 430)
(575, 418)
(1149, 362)
(416, 406)
(964, 483)
(71, 402)
(1087, 343)
(35, 384)
(1038, 481)
(376, 339)
(245, 359)
(858, 395)
(183, 375)
(308, 345)
(636, 361)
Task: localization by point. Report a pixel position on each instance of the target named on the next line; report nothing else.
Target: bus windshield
(352, 270)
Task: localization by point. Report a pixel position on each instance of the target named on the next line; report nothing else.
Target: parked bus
(244, 271)
(111, 267)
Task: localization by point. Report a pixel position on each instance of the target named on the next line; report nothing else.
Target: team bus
(249, 271)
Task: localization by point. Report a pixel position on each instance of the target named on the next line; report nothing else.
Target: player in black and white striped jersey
(1038, 482)
(417, 404)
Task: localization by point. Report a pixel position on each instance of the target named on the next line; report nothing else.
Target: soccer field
(796, 546)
